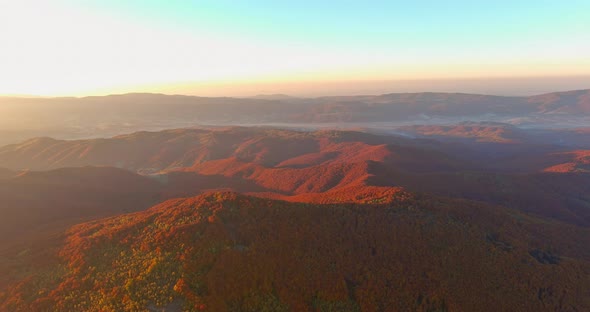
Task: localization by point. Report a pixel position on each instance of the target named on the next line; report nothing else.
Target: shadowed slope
(5, 173)
(36, 207)
(40, 198)
(561, 196)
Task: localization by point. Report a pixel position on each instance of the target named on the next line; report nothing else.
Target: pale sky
(84, 47)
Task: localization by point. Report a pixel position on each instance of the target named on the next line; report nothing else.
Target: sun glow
(61, 48)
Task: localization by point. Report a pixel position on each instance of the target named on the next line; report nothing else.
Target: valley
(196, 219)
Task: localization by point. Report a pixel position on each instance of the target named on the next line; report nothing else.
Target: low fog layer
(104, 116)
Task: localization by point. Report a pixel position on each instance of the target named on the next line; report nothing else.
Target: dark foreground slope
(34, 201)
(227, 252)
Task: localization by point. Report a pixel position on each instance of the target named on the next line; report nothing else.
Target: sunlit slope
(150, 152)
(327, 166)
(227, 252)
(574, 161)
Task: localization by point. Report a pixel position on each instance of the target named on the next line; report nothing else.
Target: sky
(83, 47)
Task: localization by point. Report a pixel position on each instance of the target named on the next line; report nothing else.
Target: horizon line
(27, 96)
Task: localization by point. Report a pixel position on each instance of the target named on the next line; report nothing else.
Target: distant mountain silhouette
(114, 114)
(572, 102)
(478, 132)
(274, 97)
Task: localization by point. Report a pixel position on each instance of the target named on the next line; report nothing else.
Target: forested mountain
(370, 222)
(227, 252)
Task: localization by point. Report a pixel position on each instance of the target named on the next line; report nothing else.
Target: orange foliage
(225, 252)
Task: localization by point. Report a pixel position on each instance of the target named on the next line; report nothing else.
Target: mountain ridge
(567, 92)
(113, 114)
(387, 221)
(327, 166)
(225, 252)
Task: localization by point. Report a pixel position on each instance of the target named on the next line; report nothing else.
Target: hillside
(561, 196)
(152, 152)
(495, 132)
(35, 199)
(294, 156)
(324, 166)
(227, 252)
(468, 146)
(433, 224)
(477, 132)
(575, 161)
(572, 102)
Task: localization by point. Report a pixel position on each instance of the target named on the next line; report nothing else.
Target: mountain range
(100, 116)
(387, 210)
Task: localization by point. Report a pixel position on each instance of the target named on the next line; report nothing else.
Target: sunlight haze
(61, 47)
(294, 156)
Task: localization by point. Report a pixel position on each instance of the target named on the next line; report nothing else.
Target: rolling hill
(470, 131)
(325, 166)
(153, 152)
(388, 222)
